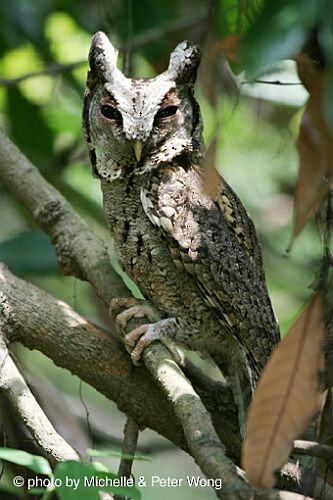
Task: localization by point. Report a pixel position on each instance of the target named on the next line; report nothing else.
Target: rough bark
(39, 321)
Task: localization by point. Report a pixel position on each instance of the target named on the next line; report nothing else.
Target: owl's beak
(138, 146)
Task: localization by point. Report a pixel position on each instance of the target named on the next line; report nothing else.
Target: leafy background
(255, 132)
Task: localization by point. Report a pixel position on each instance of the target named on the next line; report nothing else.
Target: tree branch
(270, 82)
(201, 437)
(131, 435)
(39, 321)
(17, 392)
(313, 449)
(51, 69)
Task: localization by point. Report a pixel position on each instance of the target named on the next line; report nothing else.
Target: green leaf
(34, 462)
(23, 21)
(36, 491)
(234, 17)
(111, 453)
(29, 129)
(84, 474)
(29, 251)
(278, 32)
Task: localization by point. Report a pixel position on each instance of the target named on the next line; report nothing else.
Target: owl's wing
(238, 221)
(219, 250)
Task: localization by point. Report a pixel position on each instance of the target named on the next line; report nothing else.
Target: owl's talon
(120, 303)
(127, 308)
(144, 335)
(130, 339)
(135, 312)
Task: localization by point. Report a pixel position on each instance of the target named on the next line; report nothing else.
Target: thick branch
(39, 321)
(204, 444)
(17, 392)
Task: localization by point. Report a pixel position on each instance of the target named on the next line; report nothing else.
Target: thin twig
(131, 434)
(51, 69)
(270, 82)
(160, 32)
(312, 449)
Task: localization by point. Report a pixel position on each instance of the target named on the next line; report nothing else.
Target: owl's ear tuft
(184, 62)
(102, 56)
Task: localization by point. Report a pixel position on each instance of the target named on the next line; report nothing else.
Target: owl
(194, 256)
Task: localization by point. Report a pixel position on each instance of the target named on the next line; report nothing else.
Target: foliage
(80, 472)
(255, 149)
(271, 422)
(34, 462)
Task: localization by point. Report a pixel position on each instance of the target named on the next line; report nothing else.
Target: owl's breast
(147, 258)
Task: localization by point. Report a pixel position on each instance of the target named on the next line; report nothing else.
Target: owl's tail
(242, 378)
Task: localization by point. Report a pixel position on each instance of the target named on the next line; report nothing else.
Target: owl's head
(136, 125)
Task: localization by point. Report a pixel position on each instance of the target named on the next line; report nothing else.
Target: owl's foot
(126, 309)
(123, 304)
(129, 308)
(142, 336)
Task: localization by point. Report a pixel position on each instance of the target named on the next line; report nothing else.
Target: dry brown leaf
(230, 46)
(286, 398)
(315, 148)
(307, 70)
(208, 71)
(215, 74)
(212, 177)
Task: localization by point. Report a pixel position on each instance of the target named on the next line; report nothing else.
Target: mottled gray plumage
(195, 257)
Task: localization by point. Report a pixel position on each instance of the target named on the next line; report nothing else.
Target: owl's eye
(166, 112)
(110, 112)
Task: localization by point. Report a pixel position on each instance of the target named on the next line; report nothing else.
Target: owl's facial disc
(144, 124)
(136, 125)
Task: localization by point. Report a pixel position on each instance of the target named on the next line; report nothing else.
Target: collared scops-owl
(194, 256)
